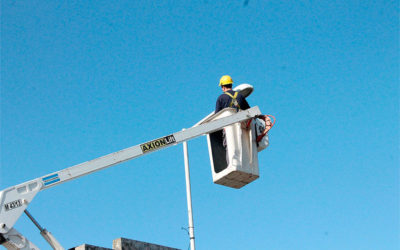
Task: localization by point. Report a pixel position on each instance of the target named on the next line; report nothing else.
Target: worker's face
(224, 88)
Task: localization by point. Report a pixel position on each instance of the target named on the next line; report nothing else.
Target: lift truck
(15, 200)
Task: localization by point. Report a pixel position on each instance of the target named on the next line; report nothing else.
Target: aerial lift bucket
(233, 152)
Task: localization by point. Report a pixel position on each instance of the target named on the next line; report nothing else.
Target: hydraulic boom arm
(14, 200)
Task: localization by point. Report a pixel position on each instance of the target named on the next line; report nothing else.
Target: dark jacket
(225, 100)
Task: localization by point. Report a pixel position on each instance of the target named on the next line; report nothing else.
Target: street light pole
(188, 195)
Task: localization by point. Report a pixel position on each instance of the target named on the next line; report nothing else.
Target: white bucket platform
(236, 164)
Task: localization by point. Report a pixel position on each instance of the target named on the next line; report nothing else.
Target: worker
(230, 98)
(234, 99)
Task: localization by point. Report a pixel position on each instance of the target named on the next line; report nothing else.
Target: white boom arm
(14, 200)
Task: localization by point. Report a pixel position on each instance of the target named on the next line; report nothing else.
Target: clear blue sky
(81, 79)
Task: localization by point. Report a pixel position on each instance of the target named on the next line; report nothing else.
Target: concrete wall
(125, 244)
(89, 247)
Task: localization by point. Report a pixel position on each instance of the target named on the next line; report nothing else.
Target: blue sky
(81, 79)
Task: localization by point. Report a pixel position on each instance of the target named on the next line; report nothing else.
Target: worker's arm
(243, 102)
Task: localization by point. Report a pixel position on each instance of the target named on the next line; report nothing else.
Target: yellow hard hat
(225, 80)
